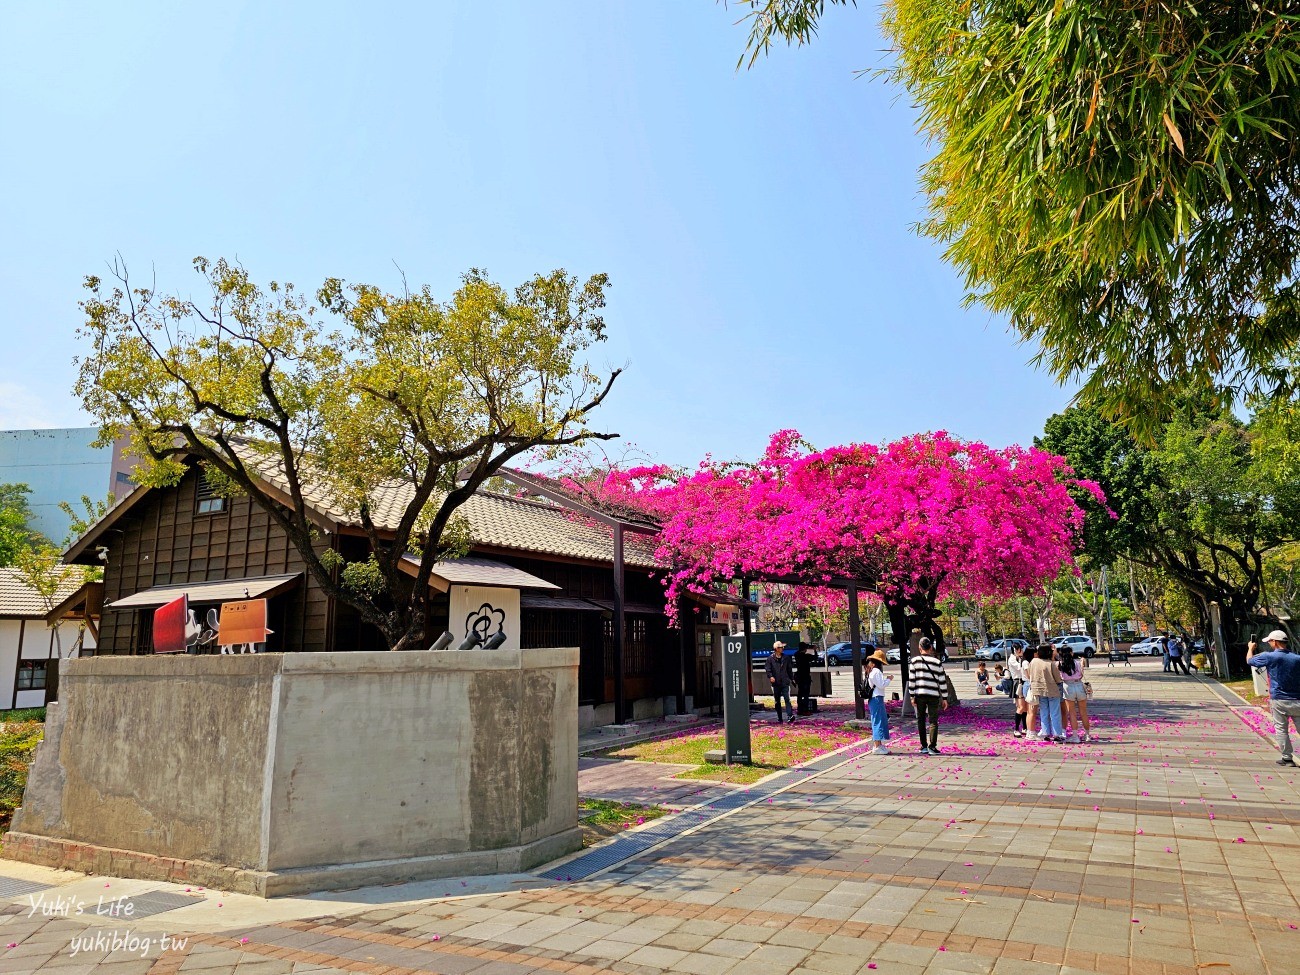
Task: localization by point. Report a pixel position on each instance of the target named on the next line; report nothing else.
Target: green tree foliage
(16, 533)
(366, 395)
(1117, 176)
(1204, 506)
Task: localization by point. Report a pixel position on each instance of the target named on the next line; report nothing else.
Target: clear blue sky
(756, 224)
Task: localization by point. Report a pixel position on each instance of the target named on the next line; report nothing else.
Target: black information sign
(735, 699)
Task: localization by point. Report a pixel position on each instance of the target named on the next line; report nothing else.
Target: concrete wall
(282, 773)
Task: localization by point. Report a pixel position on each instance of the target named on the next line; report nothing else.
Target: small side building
(36, 632)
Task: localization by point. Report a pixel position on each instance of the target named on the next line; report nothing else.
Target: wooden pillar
(685, 653)
(620, 629)
(746, 591)
(855, 639)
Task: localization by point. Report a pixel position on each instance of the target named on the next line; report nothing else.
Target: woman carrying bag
(1045, 679)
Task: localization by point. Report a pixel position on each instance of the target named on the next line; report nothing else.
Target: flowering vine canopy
(927, 513)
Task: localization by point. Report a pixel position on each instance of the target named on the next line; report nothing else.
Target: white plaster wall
(10, 631)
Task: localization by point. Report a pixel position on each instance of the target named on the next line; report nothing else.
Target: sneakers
(925, 751)
(935, 751)
(1287, 761)
(1059, 739)
(1072, 738)
(1087, 736)
(880, 750)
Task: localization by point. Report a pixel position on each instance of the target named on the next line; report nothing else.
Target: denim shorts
(1074, 691)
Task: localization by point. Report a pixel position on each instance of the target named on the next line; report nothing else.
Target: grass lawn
(602, 818)
(774, 747)
(1246, 688)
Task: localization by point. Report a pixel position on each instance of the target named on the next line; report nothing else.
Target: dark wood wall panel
(164, 541)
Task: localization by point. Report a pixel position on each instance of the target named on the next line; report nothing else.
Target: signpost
(735, 699)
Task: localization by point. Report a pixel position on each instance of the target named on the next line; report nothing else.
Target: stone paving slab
(1169, 846)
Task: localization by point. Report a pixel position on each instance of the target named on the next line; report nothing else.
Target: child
(877, 681)
(982, 675)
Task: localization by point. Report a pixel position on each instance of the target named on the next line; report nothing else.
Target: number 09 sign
(735, 699)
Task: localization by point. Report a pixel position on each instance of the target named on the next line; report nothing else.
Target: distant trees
(1210, 505)
(16, 532)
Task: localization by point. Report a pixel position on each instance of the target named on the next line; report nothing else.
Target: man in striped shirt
(929, 691)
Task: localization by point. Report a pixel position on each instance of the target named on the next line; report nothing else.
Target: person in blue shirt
(1283, 668)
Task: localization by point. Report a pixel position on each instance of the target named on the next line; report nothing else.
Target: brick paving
(1169, 848)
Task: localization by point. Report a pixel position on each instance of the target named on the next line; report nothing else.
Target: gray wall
(306, 771)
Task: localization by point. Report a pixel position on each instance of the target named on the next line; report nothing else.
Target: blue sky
(756, 224)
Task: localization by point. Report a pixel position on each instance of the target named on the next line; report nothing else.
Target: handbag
(1087, 688)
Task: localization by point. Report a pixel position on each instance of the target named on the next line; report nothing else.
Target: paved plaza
(1167, 847)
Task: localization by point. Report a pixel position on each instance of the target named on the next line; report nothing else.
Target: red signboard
(169, 626)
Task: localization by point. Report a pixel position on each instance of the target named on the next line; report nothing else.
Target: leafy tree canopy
(16, 534)
(1117, 176)
(381, 401)
(1206, 504)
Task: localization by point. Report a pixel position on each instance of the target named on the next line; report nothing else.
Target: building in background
(59, 464)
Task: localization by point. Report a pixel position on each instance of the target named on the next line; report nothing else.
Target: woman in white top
(1019, 686)
(877, 681)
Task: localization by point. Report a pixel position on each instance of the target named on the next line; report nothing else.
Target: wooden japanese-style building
(552, 574)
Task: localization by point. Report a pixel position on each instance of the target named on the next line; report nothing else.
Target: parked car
(841, 654)
(1000, 649)
(1079, 644)
(1150, 647)
(893, 655)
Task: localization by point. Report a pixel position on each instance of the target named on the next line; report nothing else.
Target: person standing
(929, 694)
(1164, 650)
(1283, 668)
(1016, 668)
(1074, 695)
(1045, 679)
(803, 659)
(1178, 656)
(778, 675)
(877, 682)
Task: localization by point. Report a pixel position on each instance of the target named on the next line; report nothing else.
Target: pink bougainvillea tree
(916, 521)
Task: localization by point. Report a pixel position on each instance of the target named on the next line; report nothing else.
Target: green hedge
(17, 742)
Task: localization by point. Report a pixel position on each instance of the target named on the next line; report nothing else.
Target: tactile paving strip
(157, 902)
(633, 844)
(14, 887)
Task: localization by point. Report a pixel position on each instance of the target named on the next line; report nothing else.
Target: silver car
(1000, 649)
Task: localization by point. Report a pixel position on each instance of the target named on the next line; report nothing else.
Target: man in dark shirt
(1283, 668)
(778, 675)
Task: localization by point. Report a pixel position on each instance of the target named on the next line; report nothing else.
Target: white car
(1079, 644)
(1150, 647)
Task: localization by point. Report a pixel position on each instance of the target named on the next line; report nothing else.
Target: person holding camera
(1283, 668)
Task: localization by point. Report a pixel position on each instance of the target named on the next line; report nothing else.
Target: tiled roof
(18, 599)
(495, 520)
